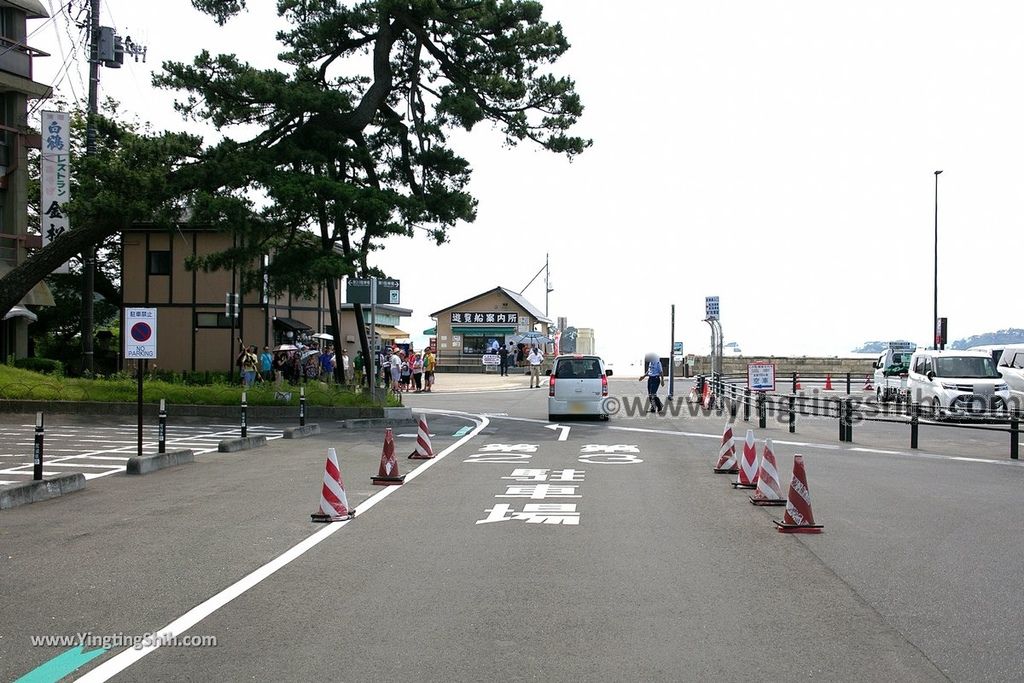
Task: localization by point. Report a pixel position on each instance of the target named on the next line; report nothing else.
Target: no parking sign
(140, 333)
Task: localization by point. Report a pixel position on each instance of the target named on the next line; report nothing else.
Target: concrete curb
(254, 412)
(301, 432)
(378, 422)
(158, 461)
(242, 444)
(36, 491)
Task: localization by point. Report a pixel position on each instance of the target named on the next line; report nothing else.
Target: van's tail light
(551, 385)
(604, 385)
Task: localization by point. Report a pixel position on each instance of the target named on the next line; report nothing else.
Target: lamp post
(935, 318)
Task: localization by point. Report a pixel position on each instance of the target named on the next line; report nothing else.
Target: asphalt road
(605, 551)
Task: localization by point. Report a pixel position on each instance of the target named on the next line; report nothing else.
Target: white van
(1011, 367)
(578, 385)
(957, 382)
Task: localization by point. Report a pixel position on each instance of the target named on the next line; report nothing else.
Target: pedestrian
(279, 365)
(266, 364)
(406, 373)
(655, 380)
(429, 362)
(360, 368)
(395, 367)
(346, 366)
(249, 364)
(327, 364)
(503, 361)
(535, 359)
(417, 372)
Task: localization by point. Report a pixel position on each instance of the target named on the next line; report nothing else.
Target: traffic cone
(798, 387)
(388, 473)
(798, 517)
(769, 491)
(727, 453)
(706, 398)
(746, 478)
(333, 501)
(423, 449)
(693, 397)
(828, 382)
(867, 384)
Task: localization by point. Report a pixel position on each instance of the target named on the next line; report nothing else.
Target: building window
(477, 346)
(209, 320)
(159, 263)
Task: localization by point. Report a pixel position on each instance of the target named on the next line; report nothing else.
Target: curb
(159, 461)
(242, 444)
(301, 432)
(36, 491)
(254, 412)
(378, 422)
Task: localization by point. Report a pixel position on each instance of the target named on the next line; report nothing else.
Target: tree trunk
(361, 324)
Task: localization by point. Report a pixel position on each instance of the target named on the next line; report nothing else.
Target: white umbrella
(286, 347)
(531, 337)
(323, 335)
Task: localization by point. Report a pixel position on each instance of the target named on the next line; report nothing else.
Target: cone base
(766, 501)
(721, 471)
(388, 481)
(321, 518)
(737, 485)
(798, 528)
(419, 456)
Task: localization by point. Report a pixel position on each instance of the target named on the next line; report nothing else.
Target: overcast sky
(778, 154)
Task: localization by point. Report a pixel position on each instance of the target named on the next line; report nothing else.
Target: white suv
(578, 385)
(957, 382)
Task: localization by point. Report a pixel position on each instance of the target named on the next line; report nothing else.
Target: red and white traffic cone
(693, 397)
(798, 387)
(707, 398)
(828, 382)
(769, 490)
(388, 474)
(868, 385)
(333, 501)
(798, 518)
(727, 453)
(423, 449)
(746, 478)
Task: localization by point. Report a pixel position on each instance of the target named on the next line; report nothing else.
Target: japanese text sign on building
(140, 333)
(711, 308)
(484, 318)
(761, 376)
(54, 175)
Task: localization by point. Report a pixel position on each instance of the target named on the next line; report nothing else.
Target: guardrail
(849, 410)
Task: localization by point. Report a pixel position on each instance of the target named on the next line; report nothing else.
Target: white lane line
(126, 658)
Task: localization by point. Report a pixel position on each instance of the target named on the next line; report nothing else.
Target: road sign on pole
(711, 308)
(357, 291)
(140, 333)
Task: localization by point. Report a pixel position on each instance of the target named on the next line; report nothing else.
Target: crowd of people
(302, 362)
(404, 370)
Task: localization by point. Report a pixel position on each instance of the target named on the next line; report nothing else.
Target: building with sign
(199, 330)
(16, 137)
(467, 330)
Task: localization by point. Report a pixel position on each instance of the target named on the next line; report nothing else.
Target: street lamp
(935, 318)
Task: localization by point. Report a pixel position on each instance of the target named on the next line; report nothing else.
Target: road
(605, 551)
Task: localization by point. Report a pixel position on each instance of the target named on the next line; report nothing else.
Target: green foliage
(43, 365)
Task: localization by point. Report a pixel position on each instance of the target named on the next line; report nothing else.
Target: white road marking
(564, 436)
(126, 658)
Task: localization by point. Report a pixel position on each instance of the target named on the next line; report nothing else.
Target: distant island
(1011, 335)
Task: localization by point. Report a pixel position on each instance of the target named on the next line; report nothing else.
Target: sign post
(140, 345)
(372, 291)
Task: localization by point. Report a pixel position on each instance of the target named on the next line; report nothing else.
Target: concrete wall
(785, 366)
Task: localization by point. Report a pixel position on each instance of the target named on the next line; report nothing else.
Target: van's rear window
(578, 368)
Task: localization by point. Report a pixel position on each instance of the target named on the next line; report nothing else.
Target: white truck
(891, 371)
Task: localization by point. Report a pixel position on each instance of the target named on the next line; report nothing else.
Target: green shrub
(46, 366)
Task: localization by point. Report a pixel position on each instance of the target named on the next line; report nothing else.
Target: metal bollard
(913, 428)
(842, 422)
(162, 428)
(1014, 435)
(792, 414)
(847, 384)
(762, 419)
(746, 405)
(244, 407)
(794, 382)
(302, 406)
(37, 453)
(849, 419)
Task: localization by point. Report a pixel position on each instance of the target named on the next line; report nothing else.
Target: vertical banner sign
(55, 175)
(140, 333)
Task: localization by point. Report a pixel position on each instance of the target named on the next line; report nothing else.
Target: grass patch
(19, 384)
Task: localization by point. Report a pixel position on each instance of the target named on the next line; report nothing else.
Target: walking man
(535, 359)
(655, 380)
(503, 358)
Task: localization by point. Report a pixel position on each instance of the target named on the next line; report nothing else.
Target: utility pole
(89, 254)
(547, 283)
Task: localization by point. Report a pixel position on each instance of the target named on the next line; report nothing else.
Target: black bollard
(762, 418)
(162, 428)
(1014, 435)
(746, 405)
(244, 408)
(37, 454)
(849, 419)
(792, 414)
(913, 428)
(302, 406)
(847, 384)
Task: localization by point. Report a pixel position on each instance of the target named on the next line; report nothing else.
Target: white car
(578, 385)
(1011, 367)
(957, 382)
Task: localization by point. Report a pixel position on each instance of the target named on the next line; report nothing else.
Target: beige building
(467, 330)
(194, 330)
(16, 89)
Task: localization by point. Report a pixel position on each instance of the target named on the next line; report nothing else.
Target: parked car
(577, 385)
(891, 371)
(957, 382)
(1011, 368)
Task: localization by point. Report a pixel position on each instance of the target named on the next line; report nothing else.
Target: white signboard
(491, 359)
(761, 376)
(55, 175)
(711, 308)
(905, 346)
(139, 333)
